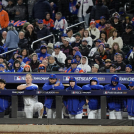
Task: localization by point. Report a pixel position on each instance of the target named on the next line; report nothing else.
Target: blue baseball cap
(102, 17)
(19, 56)
(41, 68)
(84, 40)
(40, 21)
(43, 47)
(128, 65)
(72, 79)
(102, 45)
(73, 61)
(1, 65)
(64, 35)
(11, 24)
(57, 46)
(52, 76)
(131, 83)
(98, 40)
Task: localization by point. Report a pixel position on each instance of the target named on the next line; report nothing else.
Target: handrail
(75, 24)
(41, 39)
(10, 51)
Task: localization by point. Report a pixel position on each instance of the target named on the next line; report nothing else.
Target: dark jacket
(74, 44)
(40, 8)
(52, 67)
(98, 11)
(70, 57)
(111, 55)
(10, 12)
(84, 50)
(34, 66)
(120, 66)
(23, 43)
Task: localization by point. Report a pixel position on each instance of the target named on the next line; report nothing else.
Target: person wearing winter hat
(128, 68)
(2, 69)
(75, 49)
(27, 68)
(4, 21)
(101, 24)
(94, 32)
(50, 48)
(95, 68)
(78, 57)
(42, 68)
(19, 57)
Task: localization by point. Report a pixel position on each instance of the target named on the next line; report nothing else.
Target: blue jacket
(50, 100)
(71, 6)
(12, 39)
(74, 104)
(31, 88)
(93, 101)
(115, 103)
(19, 70)
(42, 56)
(5, 102)
(78, 54)
(26, 60)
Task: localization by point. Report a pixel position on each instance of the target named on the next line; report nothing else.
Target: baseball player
(31, 104)
(74, 104)
(93, 108)
(52, 84)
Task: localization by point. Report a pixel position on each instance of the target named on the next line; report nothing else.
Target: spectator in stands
(83, 48)
(103, 37)
(23, 42)
(43, 53)
(107, 49)
(89, 39)
(48, 22)
(99, 61)
(130, 105)
(94, 32)
(66, 48)
(84, 10)
(74, 67)
(128, 68)
(4, 21)
(75, 49)
(60, 23)
(70, 35)
(22, 64)
(50, 48)
(119, 63)
(2, 68)
(117, 25)
(73, 7)
(103, 54)
(59, 55)
(115, 103)
(99, 10)
(31, 36)
(24, 28)
(12, 39)
(128, 36)
(115, 38)
(77, 40)
(52, 65)
(42, 68)
(34, 62)
(81, 31)
(122, 14)
(6, 68)
(40, 8)
(54, 8)
(20, 11)
(42, 43)
(24, 53)
(115, 49)
(93, 50)
(1, 58)
(93, 102)
(41, 30)
(101, 24)
(45, 63)
(108, 63)
(52, 84)
(113, 69)
(95, 68)
(63, 7)
(127, 22)
(17, 66)
(84, 65)
(68, 61)
(78, 57)
(5, 100)
(30, 7)
(4, 36)
(11, 61)
(109, 29)
(9, 10)
(74, 104)
(27, 68)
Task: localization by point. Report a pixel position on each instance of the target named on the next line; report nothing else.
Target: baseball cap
(64, 35)
(11, 24)
(66, 39)
(77, 34)
(96, 66)
(98, 40)
(2, 81)
(1, 65)
(72, 79)
(76, 48)
(40, 21)
(57, 46)
(50, 45)
(19, 56)
(102, 17)
(26, 66)
(52, 76)
(1, 57)
(116, 17)
(128, 65)
(108, 61)
(84, 40)
(108, 22)
(43, 47)
(106, 45)
(41, 68)
(73, 61)
(102, 45)
(131, 83)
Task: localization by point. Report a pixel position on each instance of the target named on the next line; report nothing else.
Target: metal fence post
(58, 107)
(14, 107)
(103, 107)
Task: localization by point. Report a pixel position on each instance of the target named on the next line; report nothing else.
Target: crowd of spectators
(103, 44)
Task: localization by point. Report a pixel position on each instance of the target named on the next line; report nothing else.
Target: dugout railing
(59, 121)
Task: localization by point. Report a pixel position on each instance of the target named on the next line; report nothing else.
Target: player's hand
(57, 84)
(87, 101)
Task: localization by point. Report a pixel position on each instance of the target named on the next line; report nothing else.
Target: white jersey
(30, 100)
